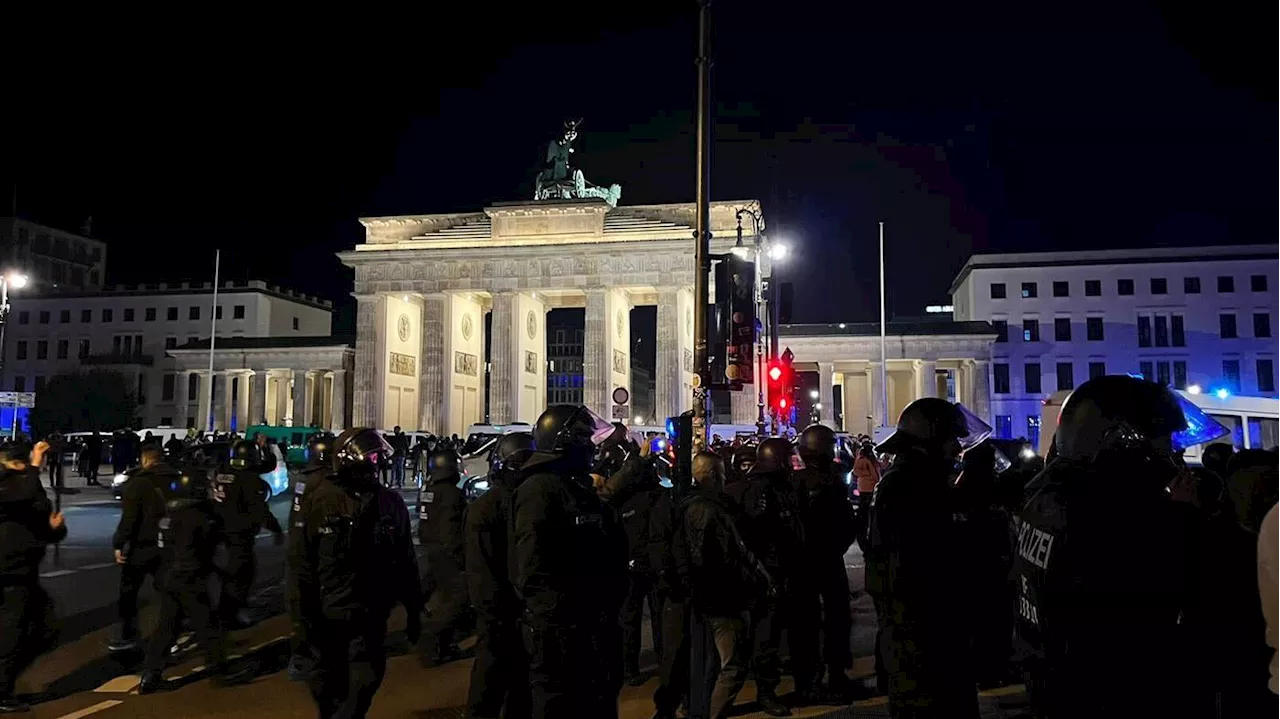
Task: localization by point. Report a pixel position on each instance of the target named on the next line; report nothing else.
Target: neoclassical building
(423, 284)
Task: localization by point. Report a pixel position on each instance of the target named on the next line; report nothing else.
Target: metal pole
(213, 336)
(884, 369)
(702, 245)
(4, 318)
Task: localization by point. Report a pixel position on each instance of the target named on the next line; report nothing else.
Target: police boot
(151, 683)
(771, 705)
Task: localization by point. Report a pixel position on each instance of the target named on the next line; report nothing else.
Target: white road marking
(100, 706)
(103, 565)
(57, 573)
(120, 685)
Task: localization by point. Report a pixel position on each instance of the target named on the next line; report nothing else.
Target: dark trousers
(352, 661)
(641, 587)
(55, 471)
(446, 604)
(673, 662)
(26, 630)
(723, 655)
(237, 579)
(837, 617)
(499, 676)
(928, 676)
(397, 472)
(188, 599)
(574, 671)
(794, 612)
(141, 563)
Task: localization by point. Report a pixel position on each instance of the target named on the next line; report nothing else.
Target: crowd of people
(1109, 578)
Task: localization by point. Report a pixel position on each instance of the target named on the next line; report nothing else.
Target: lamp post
(8, 280)
(740, 249)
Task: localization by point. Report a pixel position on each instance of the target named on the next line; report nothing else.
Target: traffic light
(784, 400)
(680, 432)
(773, 380)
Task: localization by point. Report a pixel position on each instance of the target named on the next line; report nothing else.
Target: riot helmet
(572, 432)
(508, 453)
(610, 457)
(360, 448)
(932, 425)
(245, 455)
(442, 464)
(817, 445)
(1125, 421)
(772, 456)
(744, 458)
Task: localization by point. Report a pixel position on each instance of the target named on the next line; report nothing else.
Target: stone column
(299, 414)
(308, 400)
(964, 383)
(221, 401)
(668, 388)
(926, 378)
(827, 393)
(875, 394)
(258, 398)
(982, 391)
(367, 395)
(202, 401)
(338, 402)
(431, 380)
(243, 419)
(181, 382)
(503, 370)
(742, 406)
(595, 359)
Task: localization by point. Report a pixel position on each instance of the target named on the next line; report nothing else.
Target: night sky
(1011, 127)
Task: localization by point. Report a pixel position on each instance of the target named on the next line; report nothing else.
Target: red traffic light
(782, 403)
(775, 373)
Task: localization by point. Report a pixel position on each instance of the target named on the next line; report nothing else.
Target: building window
(44, 317)
(1004, 426)
(1266, 375)
(1179, 332)
(295, 324)
(1061, 289)
(1002, 330)
(1062, 329)
(1093, 288)
(1000, 378)
(149, 314)
(1030, 330)
(64, 317)
(106, 315)
(1029, 290)
(1191, 285)
(42, 349)
(1144, 331)
(24, 317)
(1066, 376)
(19, 384)
(1258, 283)
(193, 386)
(1147, 370)
(1097, 369)
(166, 388)
(237, 312)
(20, 350)
(1159, 286)
(1162, 373)
(997, 293)
(82, 350)
(1031, 375)
(1179, 374)
(166, 421)
(193, 313)
(128, 314)
(217, 312)
(1124, 287)
(63, 348)
(193, 338)
(1226, 284)
(1227, 326)
(1261, 324)
(170, 342)
(1231, 374)
(1033, 429)
(171, 314)
(1162, 331)
(93, 277)
(86, 315)
(38, 384)
(1093, 329)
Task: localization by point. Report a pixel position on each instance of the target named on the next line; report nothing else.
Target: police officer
(915, 559)
(829, 531)
(241, 498)
(773, 513)
(302, 657)
(136, 551)
(188, 536)
(353, 562)
(570, 571)
(27, 525)
(441, 506)
(498, 676)
(1101, 556)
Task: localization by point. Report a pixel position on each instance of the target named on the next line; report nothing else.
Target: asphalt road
(80, 678)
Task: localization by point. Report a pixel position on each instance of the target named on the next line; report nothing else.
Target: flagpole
(213, 337)
(884, 370)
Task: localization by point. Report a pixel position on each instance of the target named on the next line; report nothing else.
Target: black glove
(413, 625)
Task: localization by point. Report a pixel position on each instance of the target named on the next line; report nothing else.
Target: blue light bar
(1201, 428)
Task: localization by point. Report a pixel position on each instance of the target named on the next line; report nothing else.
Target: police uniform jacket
(775, 531)
(829, 523)
(190, 533)
(711, 558)
(355, 559)
(242, 504)
(142, 507)
(570, 551)
(635, 510)
(440, 516)
(487, 539)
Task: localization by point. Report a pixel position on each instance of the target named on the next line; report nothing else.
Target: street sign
(621, 395)
(620, 411)
(18, 399)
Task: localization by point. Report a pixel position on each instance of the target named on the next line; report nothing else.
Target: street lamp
(813, 394)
